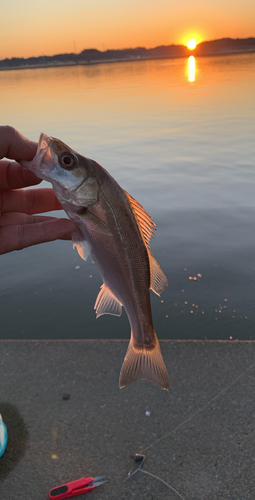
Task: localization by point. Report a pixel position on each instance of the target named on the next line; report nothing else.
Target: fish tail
(144, 363)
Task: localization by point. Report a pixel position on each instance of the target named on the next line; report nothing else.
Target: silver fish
(116, 230)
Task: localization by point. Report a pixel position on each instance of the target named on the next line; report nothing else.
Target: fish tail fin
(144, 363)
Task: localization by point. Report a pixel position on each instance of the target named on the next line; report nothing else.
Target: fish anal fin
(144, 364)
(106, 303)
(144, 221)
(81, 244)
(158, 278)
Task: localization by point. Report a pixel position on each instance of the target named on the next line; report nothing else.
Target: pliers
(75, 488)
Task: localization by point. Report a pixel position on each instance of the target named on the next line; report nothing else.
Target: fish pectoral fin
(144, 364)
(81, 244)
(158, 278)
(96, 223)
(107, 303)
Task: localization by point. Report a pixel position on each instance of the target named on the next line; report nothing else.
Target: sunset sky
(33, 28)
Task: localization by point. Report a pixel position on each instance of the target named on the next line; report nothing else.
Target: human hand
(19, 227)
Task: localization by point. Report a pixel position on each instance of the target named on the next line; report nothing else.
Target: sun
(191, 44)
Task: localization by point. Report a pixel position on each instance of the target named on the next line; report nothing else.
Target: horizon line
(134, 48)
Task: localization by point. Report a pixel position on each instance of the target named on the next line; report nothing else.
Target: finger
(15, 146)
(26, 235)
(15, 218)
(29, 201)
(14, 176)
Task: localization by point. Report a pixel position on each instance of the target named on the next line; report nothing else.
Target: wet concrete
(67, 419)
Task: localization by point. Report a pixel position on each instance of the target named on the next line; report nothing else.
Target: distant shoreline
(113, 61)
(89, 57)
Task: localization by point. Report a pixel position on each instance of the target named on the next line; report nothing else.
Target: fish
(116, 230)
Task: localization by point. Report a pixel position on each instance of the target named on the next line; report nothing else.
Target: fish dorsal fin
(144, 221)
(158, 278)
(82, 246)
(107, 303)
(147, 228)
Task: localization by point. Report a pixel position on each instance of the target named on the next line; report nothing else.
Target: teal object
(3, 436)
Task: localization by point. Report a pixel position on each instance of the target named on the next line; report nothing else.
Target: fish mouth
(43, 163)
(43, 153)
(46, 160)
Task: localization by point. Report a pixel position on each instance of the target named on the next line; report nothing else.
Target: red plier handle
(76, 488)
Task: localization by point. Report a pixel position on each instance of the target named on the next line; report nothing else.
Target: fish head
(70, 173)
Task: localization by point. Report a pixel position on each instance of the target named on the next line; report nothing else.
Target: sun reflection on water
(191, 68)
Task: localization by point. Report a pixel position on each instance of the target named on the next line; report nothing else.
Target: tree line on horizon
(87, 56)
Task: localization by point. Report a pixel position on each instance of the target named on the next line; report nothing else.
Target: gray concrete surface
(199, 437)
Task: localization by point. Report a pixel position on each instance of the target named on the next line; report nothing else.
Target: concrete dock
(67, 419)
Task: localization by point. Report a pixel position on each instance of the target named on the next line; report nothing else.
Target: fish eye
(67, 160)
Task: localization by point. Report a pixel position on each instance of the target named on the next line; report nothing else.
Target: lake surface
(179, 139)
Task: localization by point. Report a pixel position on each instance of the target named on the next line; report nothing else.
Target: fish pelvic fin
(81, 244)
(143, 363)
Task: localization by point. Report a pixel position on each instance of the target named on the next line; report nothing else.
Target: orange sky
(33, 28)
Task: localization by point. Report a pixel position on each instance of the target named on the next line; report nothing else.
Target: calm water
(184, 149)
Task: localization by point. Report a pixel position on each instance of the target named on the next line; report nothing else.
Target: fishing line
(164, 482)
(198, 411)
(139, 457)
(133, 473)
(141, 454)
